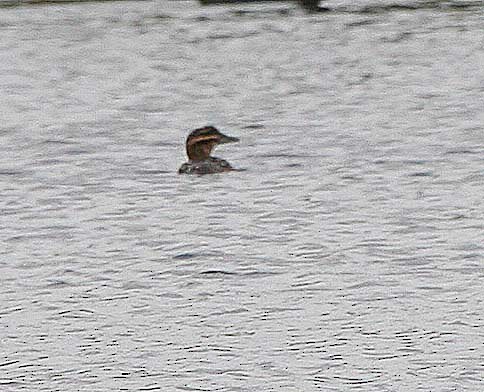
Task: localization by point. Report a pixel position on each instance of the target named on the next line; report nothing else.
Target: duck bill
(228, 139)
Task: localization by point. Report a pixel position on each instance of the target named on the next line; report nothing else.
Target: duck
(199, 144)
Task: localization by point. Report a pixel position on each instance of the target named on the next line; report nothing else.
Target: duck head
(202, 141)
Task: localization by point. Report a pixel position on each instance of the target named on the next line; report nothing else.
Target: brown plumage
(199, 145)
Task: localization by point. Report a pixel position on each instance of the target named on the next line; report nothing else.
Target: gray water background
(347, 257)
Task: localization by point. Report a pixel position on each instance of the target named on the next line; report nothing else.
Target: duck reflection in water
(199, 145)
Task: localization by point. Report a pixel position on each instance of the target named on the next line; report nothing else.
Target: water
(347, 257)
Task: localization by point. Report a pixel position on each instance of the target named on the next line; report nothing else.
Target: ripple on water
(348, 254)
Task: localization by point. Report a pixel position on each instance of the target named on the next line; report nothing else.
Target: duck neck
(199, 151)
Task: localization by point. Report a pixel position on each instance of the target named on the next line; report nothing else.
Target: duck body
(207, 166)
(199, 145)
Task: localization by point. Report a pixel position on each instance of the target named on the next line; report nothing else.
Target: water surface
(349, 254)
